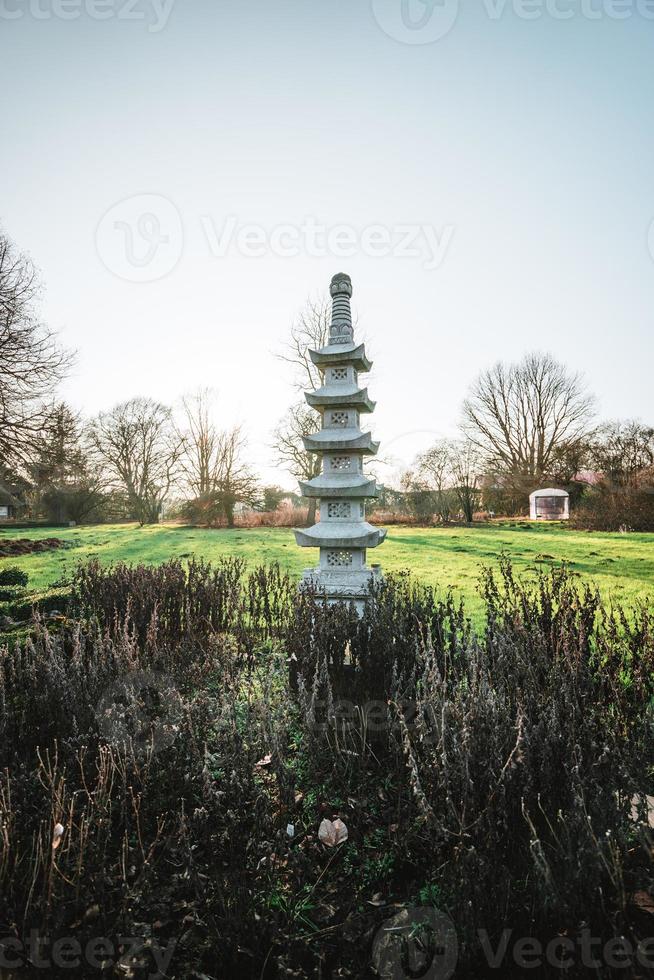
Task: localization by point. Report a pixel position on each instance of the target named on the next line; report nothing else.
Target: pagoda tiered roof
(340, 440)
(342, 534)
(357, 534)
(335, 396)
(354, 354)
(348, 485)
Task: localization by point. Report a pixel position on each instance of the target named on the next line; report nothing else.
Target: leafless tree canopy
(299, 421)
(200, 442)
(310, 331)
(434, 468)
(138, 449)
(623, 450)
(520, 416)
(235, 482)
(213, 460)
(450, 471)
(31, 362)
(467, 469)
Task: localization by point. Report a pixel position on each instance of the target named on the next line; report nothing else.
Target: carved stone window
(339, 510)
(339, 374)
(339, 420)
(339, 559)
(340, 462)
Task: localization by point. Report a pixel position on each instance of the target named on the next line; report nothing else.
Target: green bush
(10, 593)
(21, 604)
(13, 576)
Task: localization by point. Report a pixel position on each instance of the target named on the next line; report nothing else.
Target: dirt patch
(24, 546)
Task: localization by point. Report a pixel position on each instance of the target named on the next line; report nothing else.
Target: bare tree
(212, 462)
(466, 470)
(623, 450)
(434, 471)
(235, 481)
(138, 449)
(417, 496)
(200, 444)
(520, 416)
(31, 362)
(299, 421)
(310, 331)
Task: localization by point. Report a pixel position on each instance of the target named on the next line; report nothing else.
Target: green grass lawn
(622, 565)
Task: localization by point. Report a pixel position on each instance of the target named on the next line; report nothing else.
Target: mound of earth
(25, 546)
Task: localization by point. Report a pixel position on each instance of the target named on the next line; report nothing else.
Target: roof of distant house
(549, 492)
(591, 477)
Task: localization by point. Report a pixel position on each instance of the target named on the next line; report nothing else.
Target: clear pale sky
(525, 147)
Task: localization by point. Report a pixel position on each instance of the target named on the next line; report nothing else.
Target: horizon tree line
(522, 425)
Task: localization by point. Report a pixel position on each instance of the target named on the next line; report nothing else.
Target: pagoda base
(352, 586)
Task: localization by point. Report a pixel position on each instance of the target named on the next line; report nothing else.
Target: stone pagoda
(342, 534)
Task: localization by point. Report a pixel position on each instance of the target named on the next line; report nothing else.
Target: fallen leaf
(644, 901)
(332, 833)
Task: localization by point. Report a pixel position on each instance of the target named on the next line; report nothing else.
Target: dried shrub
(189, 602)
(615, 509)
(286, 515)
(490, 773)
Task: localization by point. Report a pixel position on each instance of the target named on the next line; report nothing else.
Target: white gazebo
(549, 505)
(342, 535)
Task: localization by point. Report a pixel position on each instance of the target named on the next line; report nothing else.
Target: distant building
(549, 505)
(590, 478)
(10, 507)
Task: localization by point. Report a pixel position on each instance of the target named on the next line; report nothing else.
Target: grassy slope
(621, 565)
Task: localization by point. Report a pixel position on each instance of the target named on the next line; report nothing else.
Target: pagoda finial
(340, 331)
